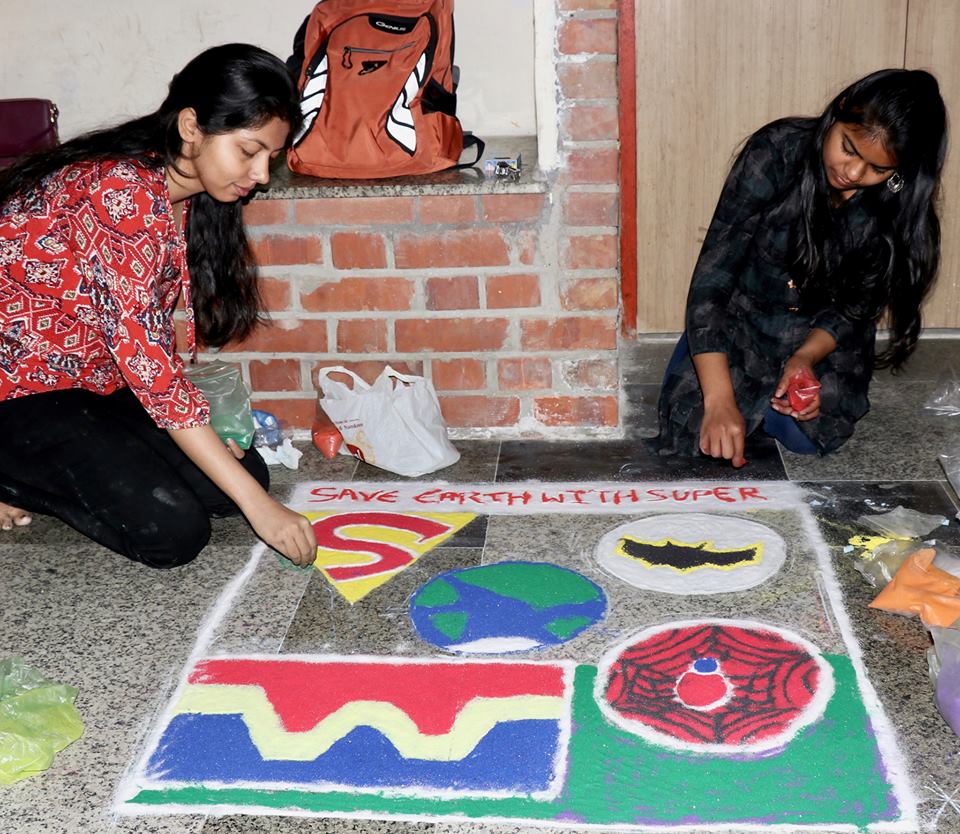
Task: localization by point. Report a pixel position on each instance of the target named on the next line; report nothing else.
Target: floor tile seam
(293, 616)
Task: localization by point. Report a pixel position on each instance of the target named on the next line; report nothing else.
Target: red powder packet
(326, 436)
(802, 389)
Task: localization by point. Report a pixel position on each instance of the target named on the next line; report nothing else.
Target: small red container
(802, 389)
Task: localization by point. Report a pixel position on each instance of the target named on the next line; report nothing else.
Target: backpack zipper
(346, 63)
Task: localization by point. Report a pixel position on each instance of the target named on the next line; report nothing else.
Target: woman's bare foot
(11, 517)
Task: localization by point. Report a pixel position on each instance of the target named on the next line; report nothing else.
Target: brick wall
(509, 302)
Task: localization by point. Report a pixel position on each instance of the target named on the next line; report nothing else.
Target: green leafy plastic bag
(37, 720)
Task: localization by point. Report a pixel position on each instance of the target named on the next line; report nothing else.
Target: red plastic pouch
(326, 436)
(802, 389)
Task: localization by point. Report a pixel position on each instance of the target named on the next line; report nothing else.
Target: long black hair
(231, 87)
(904, 110)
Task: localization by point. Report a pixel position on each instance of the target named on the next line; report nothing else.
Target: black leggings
(101, 465)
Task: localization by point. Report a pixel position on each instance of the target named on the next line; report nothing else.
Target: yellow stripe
(472, 723)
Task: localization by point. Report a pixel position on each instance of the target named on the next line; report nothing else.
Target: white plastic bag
(394, 424)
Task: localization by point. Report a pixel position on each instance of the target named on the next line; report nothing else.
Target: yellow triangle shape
(359, 550)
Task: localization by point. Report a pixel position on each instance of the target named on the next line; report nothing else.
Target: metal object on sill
(506, 168)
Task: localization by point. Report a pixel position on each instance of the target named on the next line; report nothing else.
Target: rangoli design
(416, 726)
(360, 551)
(720, 686)
(506, 607)
(645, 709)
(692, 553)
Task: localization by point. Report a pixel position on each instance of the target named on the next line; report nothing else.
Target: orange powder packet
(920, 588)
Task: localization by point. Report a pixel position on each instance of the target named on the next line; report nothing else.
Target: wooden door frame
(627, 95)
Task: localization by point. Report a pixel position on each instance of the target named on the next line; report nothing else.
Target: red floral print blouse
(91, 266)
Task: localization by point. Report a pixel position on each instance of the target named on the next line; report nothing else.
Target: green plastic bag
(37, 720)
(230, 411)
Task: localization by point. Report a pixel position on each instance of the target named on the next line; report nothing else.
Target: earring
(895, 183)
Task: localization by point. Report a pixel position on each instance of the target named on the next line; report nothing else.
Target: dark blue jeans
(99, 464)
(779, 426)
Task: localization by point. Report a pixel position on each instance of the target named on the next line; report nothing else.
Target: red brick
(524, 374)
(512, 208)
(590, 373)
(292, 413)
(354, 211)
(367, 369)
(286, 336)
(360, 294)
(470, 247)
(274, 250)
(576, 411)
(585, 122)
(448, 209)
(507, 291)
(573, 333)
(588, 35)
(590, 294)
(361, 336)
(460, 292)
(588, 79)
(266, 212)
(590, 252)
(458, 374)
(275, 375)
(355, 250)
(275, 293)
(450, 335)
(588, 208)
(527, 243)
(480, 412)
(592, 166)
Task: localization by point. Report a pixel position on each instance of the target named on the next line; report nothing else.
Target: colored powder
(828, 775)
(564, 627)
(540, 586)
(436, 593)
(451, 625)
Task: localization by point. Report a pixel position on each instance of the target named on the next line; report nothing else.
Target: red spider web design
(772, 681)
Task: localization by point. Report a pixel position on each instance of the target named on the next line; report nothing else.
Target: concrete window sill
(285, 185)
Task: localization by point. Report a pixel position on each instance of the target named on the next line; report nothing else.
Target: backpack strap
(471, 141)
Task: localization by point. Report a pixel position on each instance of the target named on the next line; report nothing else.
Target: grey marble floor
(122, 634)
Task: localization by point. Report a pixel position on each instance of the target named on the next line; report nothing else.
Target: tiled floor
(121, 633)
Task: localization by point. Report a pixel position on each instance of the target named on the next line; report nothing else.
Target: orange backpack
(378, 90)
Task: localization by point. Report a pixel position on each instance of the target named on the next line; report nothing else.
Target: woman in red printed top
(98, 239)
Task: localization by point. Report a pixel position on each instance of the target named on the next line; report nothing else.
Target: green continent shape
(451, 624)
(563, 627)
(540, 586)
(436, 593)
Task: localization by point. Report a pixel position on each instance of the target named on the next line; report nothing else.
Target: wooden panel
(709, 73)
(933, 35)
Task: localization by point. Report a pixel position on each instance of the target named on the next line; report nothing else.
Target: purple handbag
(26, 124)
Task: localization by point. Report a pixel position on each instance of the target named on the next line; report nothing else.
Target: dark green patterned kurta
(742, 301)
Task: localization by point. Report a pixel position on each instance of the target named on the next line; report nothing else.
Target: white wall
(103, 61)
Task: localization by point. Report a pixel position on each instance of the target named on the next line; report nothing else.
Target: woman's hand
(286, 531)
(723, 432)
(282, 529)
(796, 364)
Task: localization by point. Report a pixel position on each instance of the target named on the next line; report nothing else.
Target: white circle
(717, 534)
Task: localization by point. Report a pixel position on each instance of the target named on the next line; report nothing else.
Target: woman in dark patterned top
(823, 225)
(99, 238)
